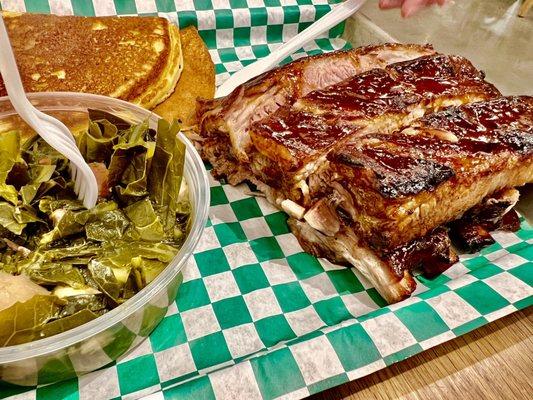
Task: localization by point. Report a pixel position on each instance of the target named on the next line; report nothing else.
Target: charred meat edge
(325, 232)
(231, 116)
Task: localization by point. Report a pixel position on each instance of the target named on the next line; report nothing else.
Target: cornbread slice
(197, 80)
(137, 59)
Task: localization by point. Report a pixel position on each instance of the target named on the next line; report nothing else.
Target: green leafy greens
(89, 261)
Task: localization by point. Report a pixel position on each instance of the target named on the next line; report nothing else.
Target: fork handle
(13, 83)
(11, 76)
(338, 14)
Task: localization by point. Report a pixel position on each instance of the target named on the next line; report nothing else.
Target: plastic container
(101, 341)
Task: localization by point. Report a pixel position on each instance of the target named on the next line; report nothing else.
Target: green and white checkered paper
(256, 317)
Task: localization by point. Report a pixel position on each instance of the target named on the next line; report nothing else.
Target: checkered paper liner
(256, 317)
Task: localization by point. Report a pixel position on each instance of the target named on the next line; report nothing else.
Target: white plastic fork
(53, 131)
(328, 21)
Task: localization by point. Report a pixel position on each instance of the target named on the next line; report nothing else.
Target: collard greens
(89, 261)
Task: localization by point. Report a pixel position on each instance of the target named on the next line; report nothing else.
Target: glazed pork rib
(404, 185)
(380, 155)
(224, 123)
(293, 142)
(392, 194)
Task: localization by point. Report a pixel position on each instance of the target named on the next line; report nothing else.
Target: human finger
(410, 7)
(386, 4)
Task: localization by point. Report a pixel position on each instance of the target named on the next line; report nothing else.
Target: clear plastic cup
(101, 341)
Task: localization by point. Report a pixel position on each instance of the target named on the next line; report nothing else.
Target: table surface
(492, 362)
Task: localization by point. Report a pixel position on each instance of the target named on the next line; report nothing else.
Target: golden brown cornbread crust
(122, 57)
(197, 80)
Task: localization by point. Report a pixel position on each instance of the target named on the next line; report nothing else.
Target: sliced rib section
(293, 143)
(381, 156)
(224, 123)
(391, 195)
(406, 184)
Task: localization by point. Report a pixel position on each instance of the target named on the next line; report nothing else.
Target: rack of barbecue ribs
(382, 156)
